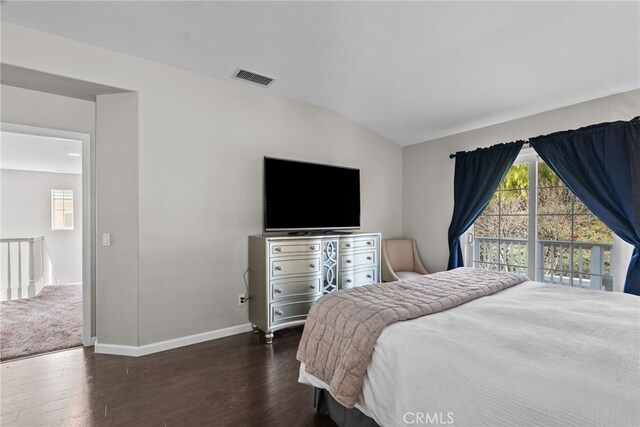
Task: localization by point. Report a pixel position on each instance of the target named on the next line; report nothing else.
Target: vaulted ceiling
(410, 71)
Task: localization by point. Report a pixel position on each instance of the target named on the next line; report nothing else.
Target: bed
(531, 354)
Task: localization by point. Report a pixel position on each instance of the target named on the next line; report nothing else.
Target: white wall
(199, 168)
(428, 172)
(25, 201)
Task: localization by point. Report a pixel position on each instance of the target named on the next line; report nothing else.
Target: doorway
(45, 262)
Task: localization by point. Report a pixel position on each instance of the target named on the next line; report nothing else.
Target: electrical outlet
(242, 300)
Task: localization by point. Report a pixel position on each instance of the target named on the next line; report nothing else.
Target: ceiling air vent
(252, 77)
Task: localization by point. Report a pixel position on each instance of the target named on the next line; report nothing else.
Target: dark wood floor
(234, 381)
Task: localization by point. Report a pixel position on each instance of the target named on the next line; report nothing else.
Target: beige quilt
(342, 327)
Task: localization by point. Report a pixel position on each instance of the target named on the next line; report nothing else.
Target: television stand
(339, 232)
(320, 233)
(288, 273)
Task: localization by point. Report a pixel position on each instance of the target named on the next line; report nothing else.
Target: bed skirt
(325, 404)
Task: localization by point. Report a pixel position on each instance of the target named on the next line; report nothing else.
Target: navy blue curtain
(478, 175)
(601, 165)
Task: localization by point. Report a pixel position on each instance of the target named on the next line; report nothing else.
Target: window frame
(54, 227)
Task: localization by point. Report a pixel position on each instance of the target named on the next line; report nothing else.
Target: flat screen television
(301, 196)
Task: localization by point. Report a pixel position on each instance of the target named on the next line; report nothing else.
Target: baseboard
(118, 350)
(156, 347)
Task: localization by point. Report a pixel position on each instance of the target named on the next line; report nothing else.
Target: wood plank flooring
(233, 381)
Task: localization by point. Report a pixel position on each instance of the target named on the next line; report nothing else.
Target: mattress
(531, 355)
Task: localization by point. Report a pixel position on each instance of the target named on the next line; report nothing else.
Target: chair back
(400, 254)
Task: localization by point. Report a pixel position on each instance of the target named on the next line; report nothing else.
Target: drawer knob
(312, 265)
(368, 276)
(348, 245)
(369, 243)
(277, 249)
(312, 286)
(313, 248)
(348, 261)
(278, 312)
(369, 258)
(277, 290)
(348, 280)
(277, 267)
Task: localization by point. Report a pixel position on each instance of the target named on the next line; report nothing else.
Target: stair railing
(25, 264)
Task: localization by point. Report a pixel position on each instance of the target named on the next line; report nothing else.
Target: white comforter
(532, 355)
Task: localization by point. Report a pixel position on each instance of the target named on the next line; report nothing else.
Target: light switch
(106, 239)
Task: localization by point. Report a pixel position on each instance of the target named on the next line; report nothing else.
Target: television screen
(309, 196)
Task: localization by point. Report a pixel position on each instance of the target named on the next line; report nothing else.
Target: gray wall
(199, 179)
(117, 207)
(428, 171)
(25, 211)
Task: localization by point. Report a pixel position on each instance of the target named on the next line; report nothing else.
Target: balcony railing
(580, 264)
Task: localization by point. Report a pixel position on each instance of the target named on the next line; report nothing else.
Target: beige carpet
(50, 321)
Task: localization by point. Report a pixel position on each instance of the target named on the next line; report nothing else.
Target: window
(503, 228)
(574, 247)
(62, 209)
(536, 226)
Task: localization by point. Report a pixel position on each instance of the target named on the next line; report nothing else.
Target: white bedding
(531, 355)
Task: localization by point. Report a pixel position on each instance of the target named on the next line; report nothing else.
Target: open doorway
(45, 289)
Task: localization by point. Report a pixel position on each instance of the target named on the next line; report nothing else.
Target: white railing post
(9, 271)
(561, 263)
(46, 280)
(539, 273)
(596, 270)
(19, 269)
(570, 261)
(580, 264)
(476, 251)
(31, 292)
(552, 262)
(39, 263)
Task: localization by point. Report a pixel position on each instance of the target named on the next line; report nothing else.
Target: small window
(62, 209)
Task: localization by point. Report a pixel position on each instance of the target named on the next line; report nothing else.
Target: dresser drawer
(370, 242)
(358, 259)
(296, 288)
(286, 266)
(358, 278)
(298, 247)
(289, 312)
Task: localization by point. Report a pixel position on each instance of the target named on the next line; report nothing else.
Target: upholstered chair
(400, 260)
